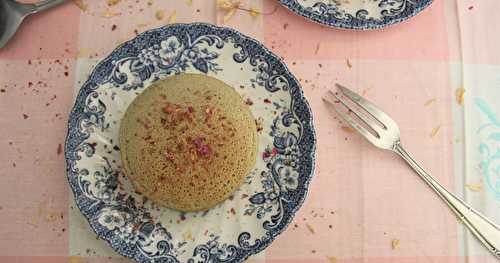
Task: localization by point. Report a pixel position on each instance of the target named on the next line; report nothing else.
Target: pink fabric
(360, 200)
(45, 36)
(33, 123)
(363, 185)
(422, 38)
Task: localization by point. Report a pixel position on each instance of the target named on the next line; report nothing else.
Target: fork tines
(362, 115)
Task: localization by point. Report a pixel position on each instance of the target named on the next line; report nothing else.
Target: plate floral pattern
(239, 227)
(357, 14)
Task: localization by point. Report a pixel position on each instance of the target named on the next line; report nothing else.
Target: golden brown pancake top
(187, 142)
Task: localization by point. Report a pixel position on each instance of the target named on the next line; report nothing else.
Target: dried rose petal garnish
(204, 150)
(198, 142)
(209, 112)
(169, 155)
(168, 109)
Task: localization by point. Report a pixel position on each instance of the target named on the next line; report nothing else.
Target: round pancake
(187, 142)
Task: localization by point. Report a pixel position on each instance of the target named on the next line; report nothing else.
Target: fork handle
(487, 232)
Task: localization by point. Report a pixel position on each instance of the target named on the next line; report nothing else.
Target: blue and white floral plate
(239, 227)
(357, 14)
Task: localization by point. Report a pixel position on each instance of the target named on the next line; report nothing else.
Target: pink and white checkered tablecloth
(364, 204)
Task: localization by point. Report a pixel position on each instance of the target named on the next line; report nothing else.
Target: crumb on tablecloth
(310, 228)
(80, 4)
(331, 259)
(59, 149)
(348, 129)
(75, 259)
(172, 18)
(109, 14)
(316, 50)
(254, 12)
(159, 14)
(113, 2)
(395, 244)
(475, 187)
(429, 102)
(435, 131)
(348, 63)
(459, 93)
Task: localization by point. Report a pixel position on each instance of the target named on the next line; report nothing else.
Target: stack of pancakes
(187, 142)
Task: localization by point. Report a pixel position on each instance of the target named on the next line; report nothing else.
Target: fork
(379, 129)
(12, 14)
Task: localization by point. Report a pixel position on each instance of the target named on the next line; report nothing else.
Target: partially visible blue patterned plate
(357, 14)
(242, 225)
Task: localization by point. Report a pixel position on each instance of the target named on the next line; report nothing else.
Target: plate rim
(91, 79)
(294, 7)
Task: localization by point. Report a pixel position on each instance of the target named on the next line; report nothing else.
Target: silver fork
(383, 132)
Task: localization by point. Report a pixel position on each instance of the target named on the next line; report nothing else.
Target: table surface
(364, 204)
